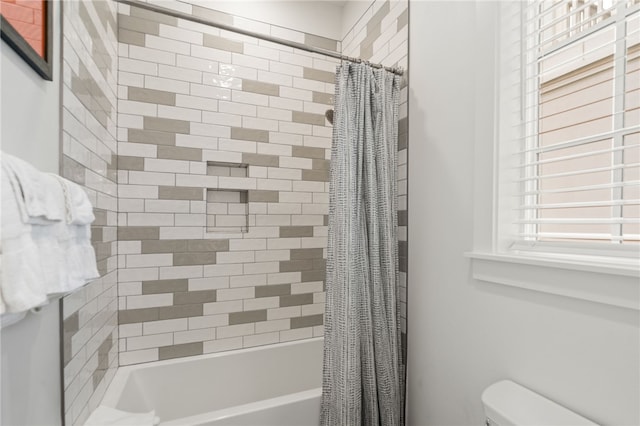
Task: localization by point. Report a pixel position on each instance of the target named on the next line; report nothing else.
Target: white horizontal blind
(578, 160)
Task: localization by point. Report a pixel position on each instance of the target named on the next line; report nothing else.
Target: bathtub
(268, 385)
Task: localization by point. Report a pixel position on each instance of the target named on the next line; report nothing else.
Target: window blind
(576, 172)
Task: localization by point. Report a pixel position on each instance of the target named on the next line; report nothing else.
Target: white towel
(107, 416)
(39, 195)
(42, 258)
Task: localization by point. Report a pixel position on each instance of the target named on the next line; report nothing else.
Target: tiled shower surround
(88, 157)
(212, 211)
(223, 159)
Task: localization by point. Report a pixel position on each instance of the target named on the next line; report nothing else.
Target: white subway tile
(166, 84)
(151, 341)
(222, 270)
(260, 339)
(262, 268)
(180, 34)
(273, 325)
(152, 55)
(146, 260)
(280, 313)
(288, 69)
(136, 357)
(149, 219)
(207, 321)
(137, 149)
(162, 165)
(248, 280)
(130, 330)
(137, 66)
(198, 335)
(249, 61)
(222, 307)
(284, 173)
(221, 118)
(137, 274)
(166, 206)
(294, 93)
(274, 149)
(235, 330)
(249, 98)
(171, 272)
(285, 103)
(296, 334)
(211, 92)
(237, 108)
(137, 191)
(196, 141)
(220, 345)
(208, 283)
(235, 257)
(164, 326)
(210, 54)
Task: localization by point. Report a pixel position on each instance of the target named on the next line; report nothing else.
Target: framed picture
(27, 26)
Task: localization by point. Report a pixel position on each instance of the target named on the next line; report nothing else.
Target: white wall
(30, 373)
(465, 334)
(311, 16)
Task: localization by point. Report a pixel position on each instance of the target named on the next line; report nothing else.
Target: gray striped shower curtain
(363, 378)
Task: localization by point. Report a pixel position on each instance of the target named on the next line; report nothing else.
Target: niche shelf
(227, 209)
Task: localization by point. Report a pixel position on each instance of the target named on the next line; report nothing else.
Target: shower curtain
(363, 378)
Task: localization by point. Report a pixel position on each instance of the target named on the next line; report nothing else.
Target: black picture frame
(42, 65)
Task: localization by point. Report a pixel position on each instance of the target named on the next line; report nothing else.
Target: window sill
(615, 283)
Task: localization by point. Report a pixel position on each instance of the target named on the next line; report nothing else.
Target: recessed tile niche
(227, 209)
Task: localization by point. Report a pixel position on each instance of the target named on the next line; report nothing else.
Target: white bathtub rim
(120, 379)
(248, 408)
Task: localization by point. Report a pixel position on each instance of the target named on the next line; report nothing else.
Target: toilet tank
(508, 404)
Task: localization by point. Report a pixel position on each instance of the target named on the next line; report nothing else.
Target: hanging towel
(46, 238)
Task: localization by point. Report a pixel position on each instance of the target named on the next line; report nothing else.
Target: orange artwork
(28, 17)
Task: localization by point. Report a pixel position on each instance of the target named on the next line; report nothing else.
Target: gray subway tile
(179, 153)
(221, 43)
(154, 16)
(320, 164)
(165, 286)
(191, 297)
(296, 300)
(180, 311)
(134, 233)
(184, 259)
(212, 15)
(273, 290)
(164, 246)
(316, 175)
(296, 265)
(179, 351)
(319, 264)
(130, 163)
(71, 324)
(403, 140)
(151, 137)
(263, 196)
(249, 134)
(366, 52)
(247, 316)
(307, 152)
(403, 19)
(208, 245)
(261, 160)
(308, 118)
(403, 219)
(260, 87)
(151, 96)
(296, 231)
(166, 125)
(180, 193)
(131, 37)
(307, 321)
(306, 253)
(131, 316)
(321, 42)
(73, 170)
(323, 98)
(134, 23)
(311, 276)
(319, 75)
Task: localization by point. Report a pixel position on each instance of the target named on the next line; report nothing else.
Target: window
(570, 157)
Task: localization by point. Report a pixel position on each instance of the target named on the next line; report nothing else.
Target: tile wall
(381, 35)
(90, 333)
(223, 163)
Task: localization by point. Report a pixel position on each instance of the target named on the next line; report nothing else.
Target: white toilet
(508, 404)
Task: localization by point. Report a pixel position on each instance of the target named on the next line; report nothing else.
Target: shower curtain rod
(301, 46)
